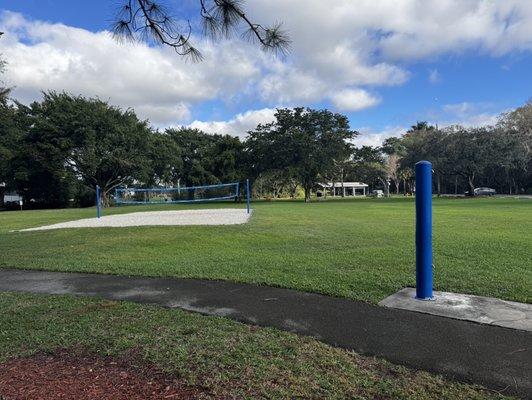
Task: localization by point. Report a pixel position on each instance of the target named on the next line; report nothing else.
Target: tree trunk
(104, 198)
(343, 189)
(307, 194)
(471, 183)
(386, 186)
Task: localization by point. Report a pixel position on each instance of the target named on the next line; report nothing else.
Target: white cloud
(154, 81)
(467, 114)
(474, 120)
(239, 125)
(342, 44)
(434, 76)
(340, 49)
(405, 28)
(369, 137)
(165, 115)
(482, 119)
(460, 109)
(354, 100)
(470, 114)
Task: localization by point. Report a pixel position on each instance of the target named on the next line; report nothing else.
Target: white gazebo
(345, 189)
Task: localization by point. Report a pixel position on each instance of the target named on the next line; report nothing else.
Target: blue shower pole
(424, 230)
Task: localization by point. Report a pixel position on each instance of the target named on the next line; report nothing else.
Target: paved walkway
(499, 358)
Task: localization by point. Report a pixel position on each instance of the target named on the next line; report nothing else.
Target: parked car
(483, 191)
(377, 193)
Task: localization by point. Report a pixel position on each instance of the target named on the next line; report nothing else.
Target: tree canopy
(303, 142)
(55, 151)
(208, 159)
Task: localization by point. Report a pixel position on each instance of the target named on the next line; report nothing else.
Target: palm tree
(405, 174)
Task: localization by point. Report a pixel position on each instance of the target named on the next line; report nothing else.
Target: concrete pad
(484, 310)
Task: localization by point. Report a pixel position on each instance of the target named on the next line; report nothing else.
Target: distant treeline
(54, 152)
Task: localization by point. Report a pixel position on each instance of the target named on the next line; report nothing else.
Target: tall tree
(10, 135)
(370, 166)
(518, 126)
(38, 169)
(469, 152)
(208, 159)
(391, 165)
(395, 150)
(394, 145)
(165, 161)
(304, 140)
(406, 175)
(426, 142)
(100, 144)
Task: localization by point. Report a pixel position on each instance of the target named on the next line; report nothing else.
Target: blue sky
(445, 62)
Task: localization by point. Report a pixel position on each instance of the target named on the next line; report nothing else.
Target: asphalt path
(498, 358)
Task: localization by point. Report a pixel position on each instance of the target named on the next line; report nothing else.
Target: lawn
(361, 249)
(222, 357)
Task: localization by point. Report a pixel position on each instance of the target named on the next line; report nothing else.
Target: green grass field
(360, 249)
(223, 357)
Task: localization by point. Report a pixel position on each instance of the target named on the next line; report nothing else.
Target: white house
(345, 189)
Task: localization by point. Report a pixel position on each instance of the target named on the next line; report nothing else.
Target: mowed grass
(361, 249)
(223, 357)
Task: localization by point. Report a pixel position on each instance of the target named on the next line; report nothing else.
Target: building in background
(345, 189)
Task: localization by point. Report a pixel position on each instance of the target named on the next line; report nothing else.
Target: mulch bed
(80, 376)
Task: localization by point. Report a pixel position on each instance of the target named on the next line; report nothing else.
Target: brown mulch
(82, 376)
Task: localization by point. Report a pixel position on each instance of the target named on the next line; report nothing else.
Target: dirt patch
(66, 375)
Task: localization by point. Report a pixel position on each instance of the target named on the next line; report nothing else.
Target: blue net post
(424, 230)
(247, 194)
(98, 202)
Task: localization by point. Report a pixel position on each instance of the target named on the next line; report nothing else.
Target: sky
(385, 64)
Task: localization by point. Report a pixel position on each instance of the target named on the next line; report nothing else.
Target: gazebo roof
(345, 185)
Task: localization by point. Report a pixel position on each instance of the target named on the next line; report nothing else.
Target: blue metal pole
(98, 202)
(247, 194)
(424, 230)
